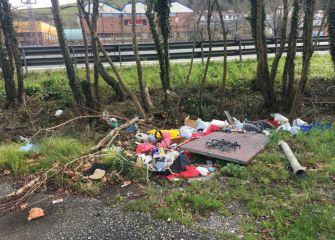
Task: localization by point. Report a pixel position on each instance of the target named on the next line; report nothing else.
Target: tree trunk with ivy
(162, 8)
(141, 83)
(289, 67)
(331, 30)
(86, 84)
(6, 62)
(13, 42)
(74, 83)
(308, 48)
(158, 45)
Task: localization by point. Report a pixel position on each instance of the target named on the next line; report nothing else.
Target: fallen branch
(21, 191)
(107, 139)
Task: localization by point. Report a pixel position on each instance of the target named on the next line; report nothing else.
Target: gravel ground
(225, 224)
(88, 218)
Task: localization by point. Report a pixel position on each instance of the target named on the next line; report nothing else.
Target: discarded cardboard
(190, 122)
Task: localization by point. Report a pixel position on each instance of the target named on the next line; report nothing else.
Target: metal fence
(51, 56)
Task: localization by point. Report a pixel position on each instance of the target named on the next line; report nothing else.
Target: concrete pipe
(298, 170)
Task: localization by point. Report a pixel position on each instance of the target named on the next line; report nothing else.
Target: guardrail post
(202, 52)
(24, 60)
(120, 56)
(240, 50)
(74, 57)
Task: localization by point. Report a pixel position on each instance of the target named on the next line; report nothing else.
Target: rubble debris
(35, 213)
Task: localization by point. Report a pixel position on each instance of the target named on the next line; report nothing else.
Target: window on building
(126, 22)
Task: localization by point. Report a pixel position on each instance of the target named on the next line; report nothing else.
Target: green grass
(56, 149)
(54, 84)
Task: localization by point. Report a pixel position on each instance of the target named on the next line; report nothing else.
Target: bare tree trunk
(116, 72)
(307, 53)
(224, 77)
(289, 68)
(141, 83)
(195, 34)
(203, 80)
(262, 68)
(98, 67)
(87, 64)
(74, 85)
(281, 49)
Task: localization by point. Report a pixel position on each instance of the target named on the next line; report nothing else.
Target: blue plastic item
(29, 147)
(318, 125)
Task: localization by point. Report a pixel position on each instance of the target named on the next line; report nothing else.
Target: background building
(114, 25)
(35, 33)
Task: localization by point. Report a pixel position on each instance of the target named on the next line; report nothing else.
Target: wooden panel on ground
(251, 144)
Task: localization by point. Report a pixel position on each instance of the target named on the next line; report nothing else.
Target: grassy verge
(50, 84)
(279, 206)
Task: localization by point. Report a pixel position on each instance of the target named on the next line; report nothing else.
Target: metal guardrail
(51, 55)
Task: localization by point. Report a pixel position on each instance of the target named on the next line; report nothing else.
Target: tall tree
(210, 6)
(331, 29)
(162, 8)
(91, 20)
(145, 101)
(289, 67)
(195, 36)
(13, 44)
(308, 48)
(86, 84)
(6, 60)
(266, 78)
(224, 76)
(121, 81)
(73, 81)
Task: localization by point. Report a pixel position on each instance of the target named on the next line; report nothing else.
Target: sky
(39, 3)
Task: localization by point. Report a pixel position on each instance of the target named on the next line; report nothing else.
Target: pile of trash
(159, 150)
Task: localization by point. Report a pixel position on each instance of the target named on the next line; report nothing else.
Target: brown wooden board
(251, 145)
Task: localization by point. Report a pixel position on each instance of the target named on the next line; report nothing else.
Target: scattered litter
(60, 200)
(203, 171)
(6, 172)
(125, 184)
(94, 167)
(59, 113)
(132, 128)
(24, 139)
(190, 123)
(35, 213)
(29, 147)
(279, 118)
(98, 174)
